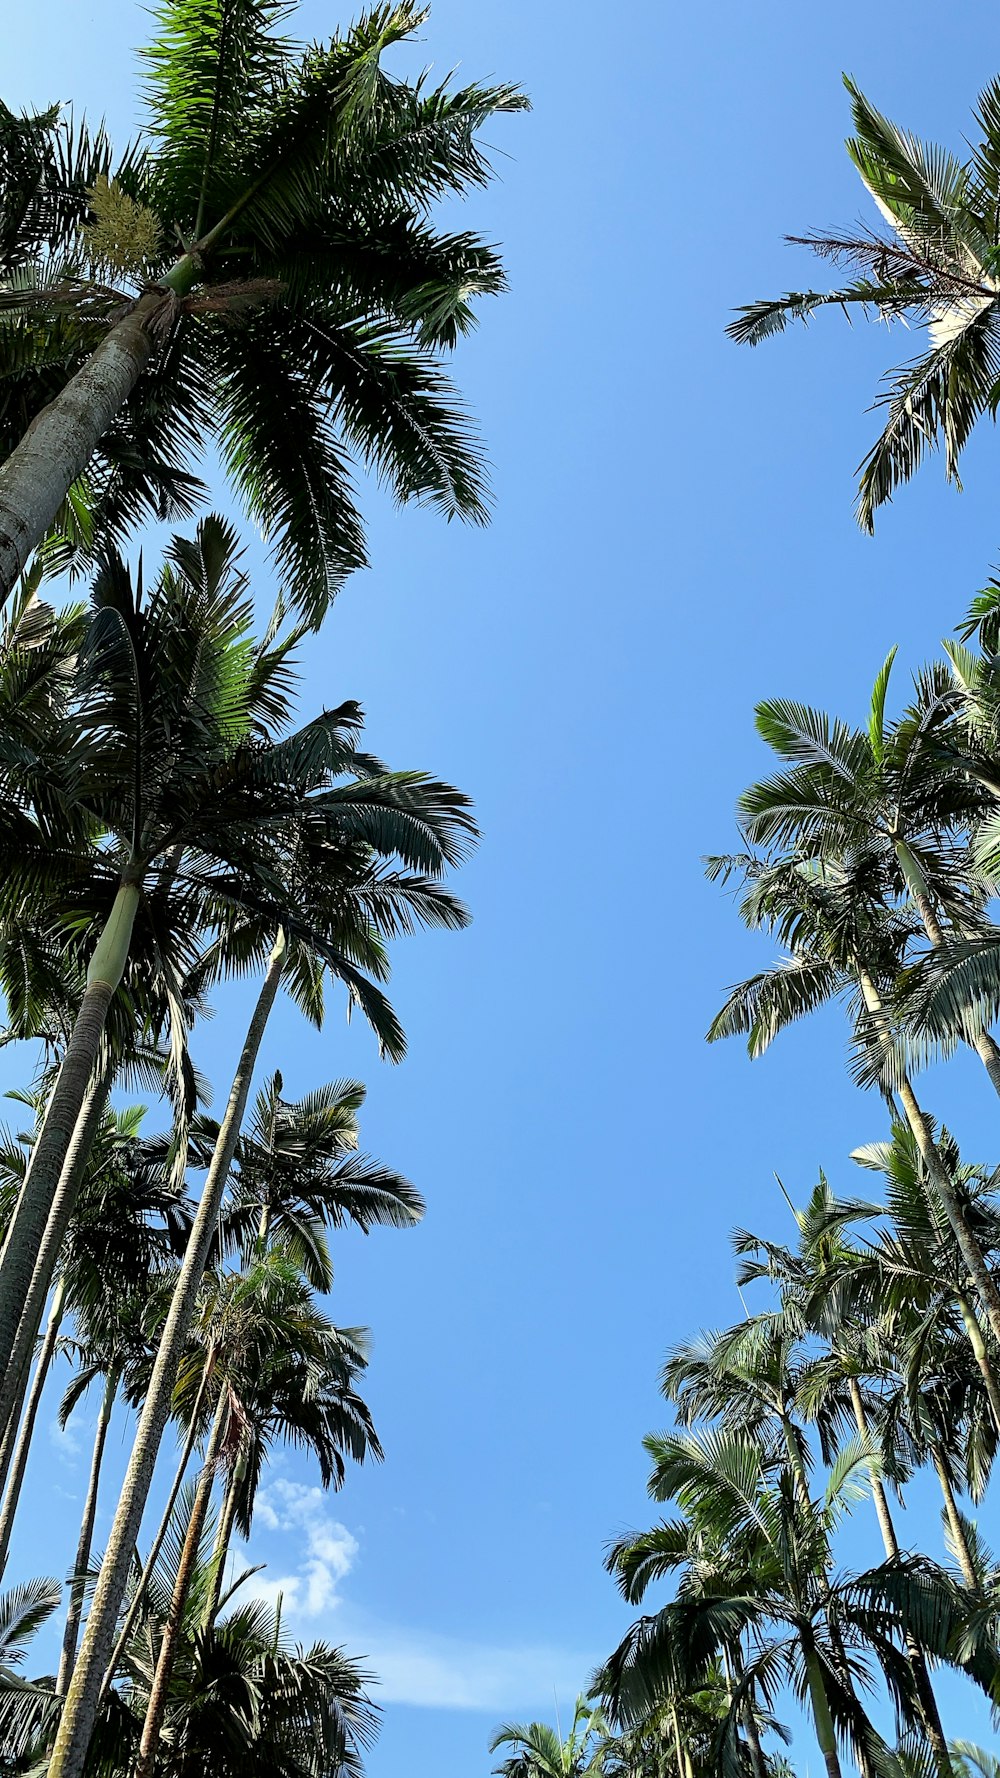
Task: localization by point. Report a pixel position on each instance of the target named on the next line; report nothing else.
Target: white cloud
(67, 1441)
(330, 1548)
(413, 1666)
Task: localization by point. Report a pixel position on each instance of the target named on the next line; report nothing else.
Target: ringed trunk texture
(61, 440)
(159, 1690)
(22, 1447)
(971, 1251)
(14, 1381)
(77, 1721)
(78, 1584)
(27, 1228)
(162, 1529)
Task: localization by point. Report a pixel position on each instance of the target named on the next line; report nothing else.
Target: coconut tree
(935, 264)
(262, 269)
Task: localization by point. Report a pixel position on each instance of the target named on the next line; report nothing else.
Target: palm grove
(262, 275)
(870, 858)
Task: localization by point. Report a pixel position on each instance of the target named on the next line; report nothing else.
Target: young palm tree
(539, 1751)
(263, 269)
(937, 266)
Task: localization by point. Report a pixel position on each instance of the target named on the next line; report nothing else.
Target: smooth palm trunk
(159, 1690)
(954, 1518)
(14, 1384)
(223, 1537)
(164, 1526)
(822, 1719)
(27, 1228)
(59, 443)
(974, 1333)
(981, 1041)
(22, 1446)
(937, 1174)
(77, 1721)
(78, 1584)
(915, 1654)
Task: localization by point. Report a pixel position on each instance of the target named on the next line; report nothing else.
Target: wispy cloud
(413, 1666)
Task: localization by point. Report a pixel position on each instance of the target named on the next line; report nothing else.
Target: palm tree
(278, 1363)
(300, 321)
(937, 267)
(845, 941)
(757, 1569)
(192, 797)
(539, 1751)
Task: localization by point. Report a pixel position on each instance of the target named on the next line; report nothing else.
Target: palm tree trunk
(915, 1654)
(971, 1251)
(826, 1734)
(27, 1228)
(12, 1494)
(954, 1518)
(15, 1381)
(757, 1765)
(158, 1691)
(974, 1332)
(78, 1585)
(62, 438)
(163, 1527)
(77, 1720)
(223, 1535)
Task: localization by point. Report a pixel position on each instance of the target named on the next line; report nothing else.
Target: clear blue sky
(673, 540)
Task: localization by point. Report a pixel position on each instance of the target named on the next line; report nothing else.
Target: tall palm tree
(936, 266)
(261, 268)
(845, 941)
(192, 793)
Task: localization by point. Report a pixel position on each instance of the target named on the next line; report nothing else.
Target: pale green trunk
(826, 1734)
(18, 1282)
(958, 1536)
(77, 1721)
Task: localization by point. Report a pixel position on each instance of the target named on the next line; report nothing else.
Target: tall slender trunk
(19, 1464)
(826, 1734)
(158, 1692)
(954, 1518)
(62, 438)
(915, 1654)
(937, 1173)
(77, 1720)
(78, 1584)
(15, 1381)
(980, 1352)
(27, 1228)
(223, 1535)
(757, 1765)
(163, 1527)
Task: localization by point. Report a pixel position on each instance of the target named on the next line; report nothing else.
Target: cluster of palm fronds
(262, 271)
(871, 854)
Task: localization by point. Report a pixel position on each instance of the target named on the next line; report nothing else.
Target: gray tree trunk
(78, 1583)
(12, 1493)
(27, 1227)
(163, 1527)
(159, 1690)
(954, 1518)
(77, 1721)
(14, 1384)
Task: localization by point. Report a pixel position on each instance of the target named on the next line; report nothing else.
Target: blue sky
(673, 540)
